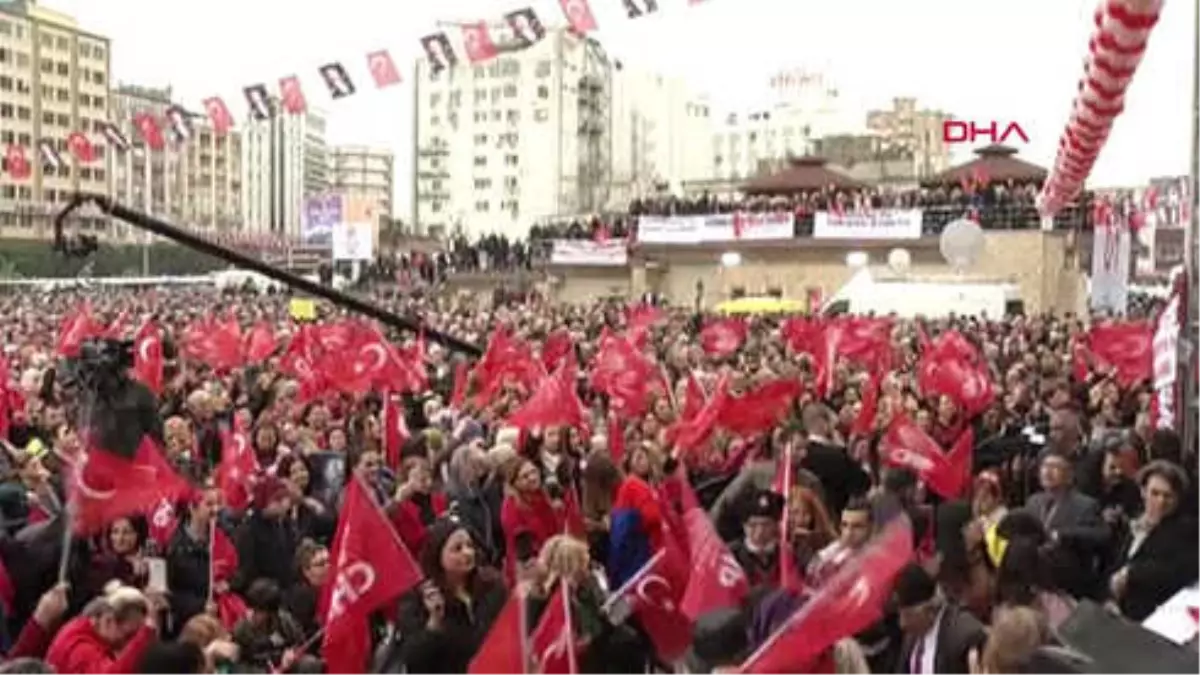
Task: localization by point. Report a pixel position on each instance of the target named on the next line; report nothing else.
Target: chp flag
(371, 567)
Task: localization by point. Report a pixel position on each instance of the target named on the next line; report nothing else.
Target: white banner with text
(716, 227)
(869, 224)
(610, 253)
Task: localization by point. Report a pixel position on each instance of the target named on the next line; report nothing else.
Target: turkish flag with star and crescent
(148, 356)
(552, 643)
(237, 470)
(370, 567)
(848, 602)
(654, 594)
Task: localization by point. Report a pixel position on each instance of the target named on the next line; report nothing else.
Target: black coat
(1165, 563)
(958, 633)
(266, 549)
(187, 574)
(451, 648)
(841, 477)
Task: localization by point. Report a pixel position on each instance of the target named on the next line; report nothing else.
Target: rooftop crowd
(814, 495)
(997, 204)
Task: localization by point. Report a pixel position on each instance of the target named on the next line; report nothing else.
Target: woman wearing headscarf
(444, 620)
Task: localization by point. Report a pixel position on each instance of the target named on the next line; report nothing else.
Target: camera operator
(117, 410)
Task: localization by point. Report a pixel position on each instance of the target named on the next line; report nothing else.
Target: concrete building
(285, 159)
(914, 132)
(801, 107)
(54, 80)
(656, 123)
(197, 183)
(870, 158)
(364, 173)
(523, 138)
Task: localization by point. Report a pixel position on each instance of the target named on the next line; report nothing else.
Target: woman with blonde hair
(604, 647)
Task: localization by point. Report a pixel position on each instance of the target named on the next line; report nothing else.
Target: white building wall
(801, 107)
(284, 162)
(498, 143)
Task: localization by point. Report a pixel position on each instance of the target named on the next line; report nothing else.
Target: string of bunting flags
(177, 125)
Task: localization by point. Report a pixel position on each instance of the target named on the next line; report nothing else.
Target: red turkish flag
(162, 523)
(76, 328)
(864, 421)
(693, 398)
(556, 348)
(555, 403)
(150, 130)
(759, 409)
(148, 356)
(579, 15)
(81, 146)
(16, 161)
(505, 648)
(904, 444)
(553, 642)
(478, 42)
(291, 95)
(219, 115)
(260, 343)
(717, 580)
(395, 429)
(654, 593)
(846, 603)
(383, 68)
(722, 337)
(624, 374)
(105, 487)
(1124, 346)
(462, 376)
(369, 568)
(689, 434)
(237, 471)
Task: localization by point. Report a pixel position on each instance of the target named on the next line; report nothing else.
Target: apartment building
(525, 137)
(801, 106)
(54, 80)
(656, 126)
(284, 160)
(196, 183)
(364, 173)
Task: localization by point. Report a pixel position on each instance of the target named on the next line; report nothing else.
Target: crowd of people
(996, 204)
(765, 473)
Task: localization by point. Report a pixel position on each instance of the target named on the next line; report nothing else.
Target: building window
(510, 91)
(543, 92)
(513, 116)
(511, 160)
(482, 206)
(480, 139)
(541, 115)
(480, 95)
(479, 72)
(62, 69)
(543, 68)
(480, 160)
(435, 99)
(483, 183)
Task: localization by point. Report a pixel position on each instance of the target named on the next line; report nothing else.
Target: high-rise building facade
(196, 183)
(54, 80)
(657, 121)
(364, 173)
(521, 139)
(285, 159)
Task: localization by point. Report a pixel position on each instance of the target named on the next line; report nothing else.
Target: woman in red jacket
(528, 516)
(416, 506)
(110, 636)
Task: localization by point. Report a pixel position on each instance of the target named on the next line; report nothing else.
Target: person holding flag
(444, 620)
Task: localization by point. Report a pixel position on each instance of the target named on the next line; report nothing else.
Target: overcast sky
(978, 59)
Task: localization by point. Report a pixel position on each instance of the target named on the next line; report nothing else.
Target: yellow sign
(303, 309)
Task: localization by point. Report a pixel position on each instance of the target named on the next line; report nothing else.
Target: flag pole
(212, 566)
(1189, 406)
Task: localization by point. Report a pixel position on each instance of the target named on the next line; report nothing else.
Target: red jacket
(77, 648)
(32, 642)
(529, 514)
(406, 519)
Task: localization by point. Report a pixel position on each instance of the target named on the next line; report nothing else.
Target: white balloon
(899, 260)
(961, 243)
